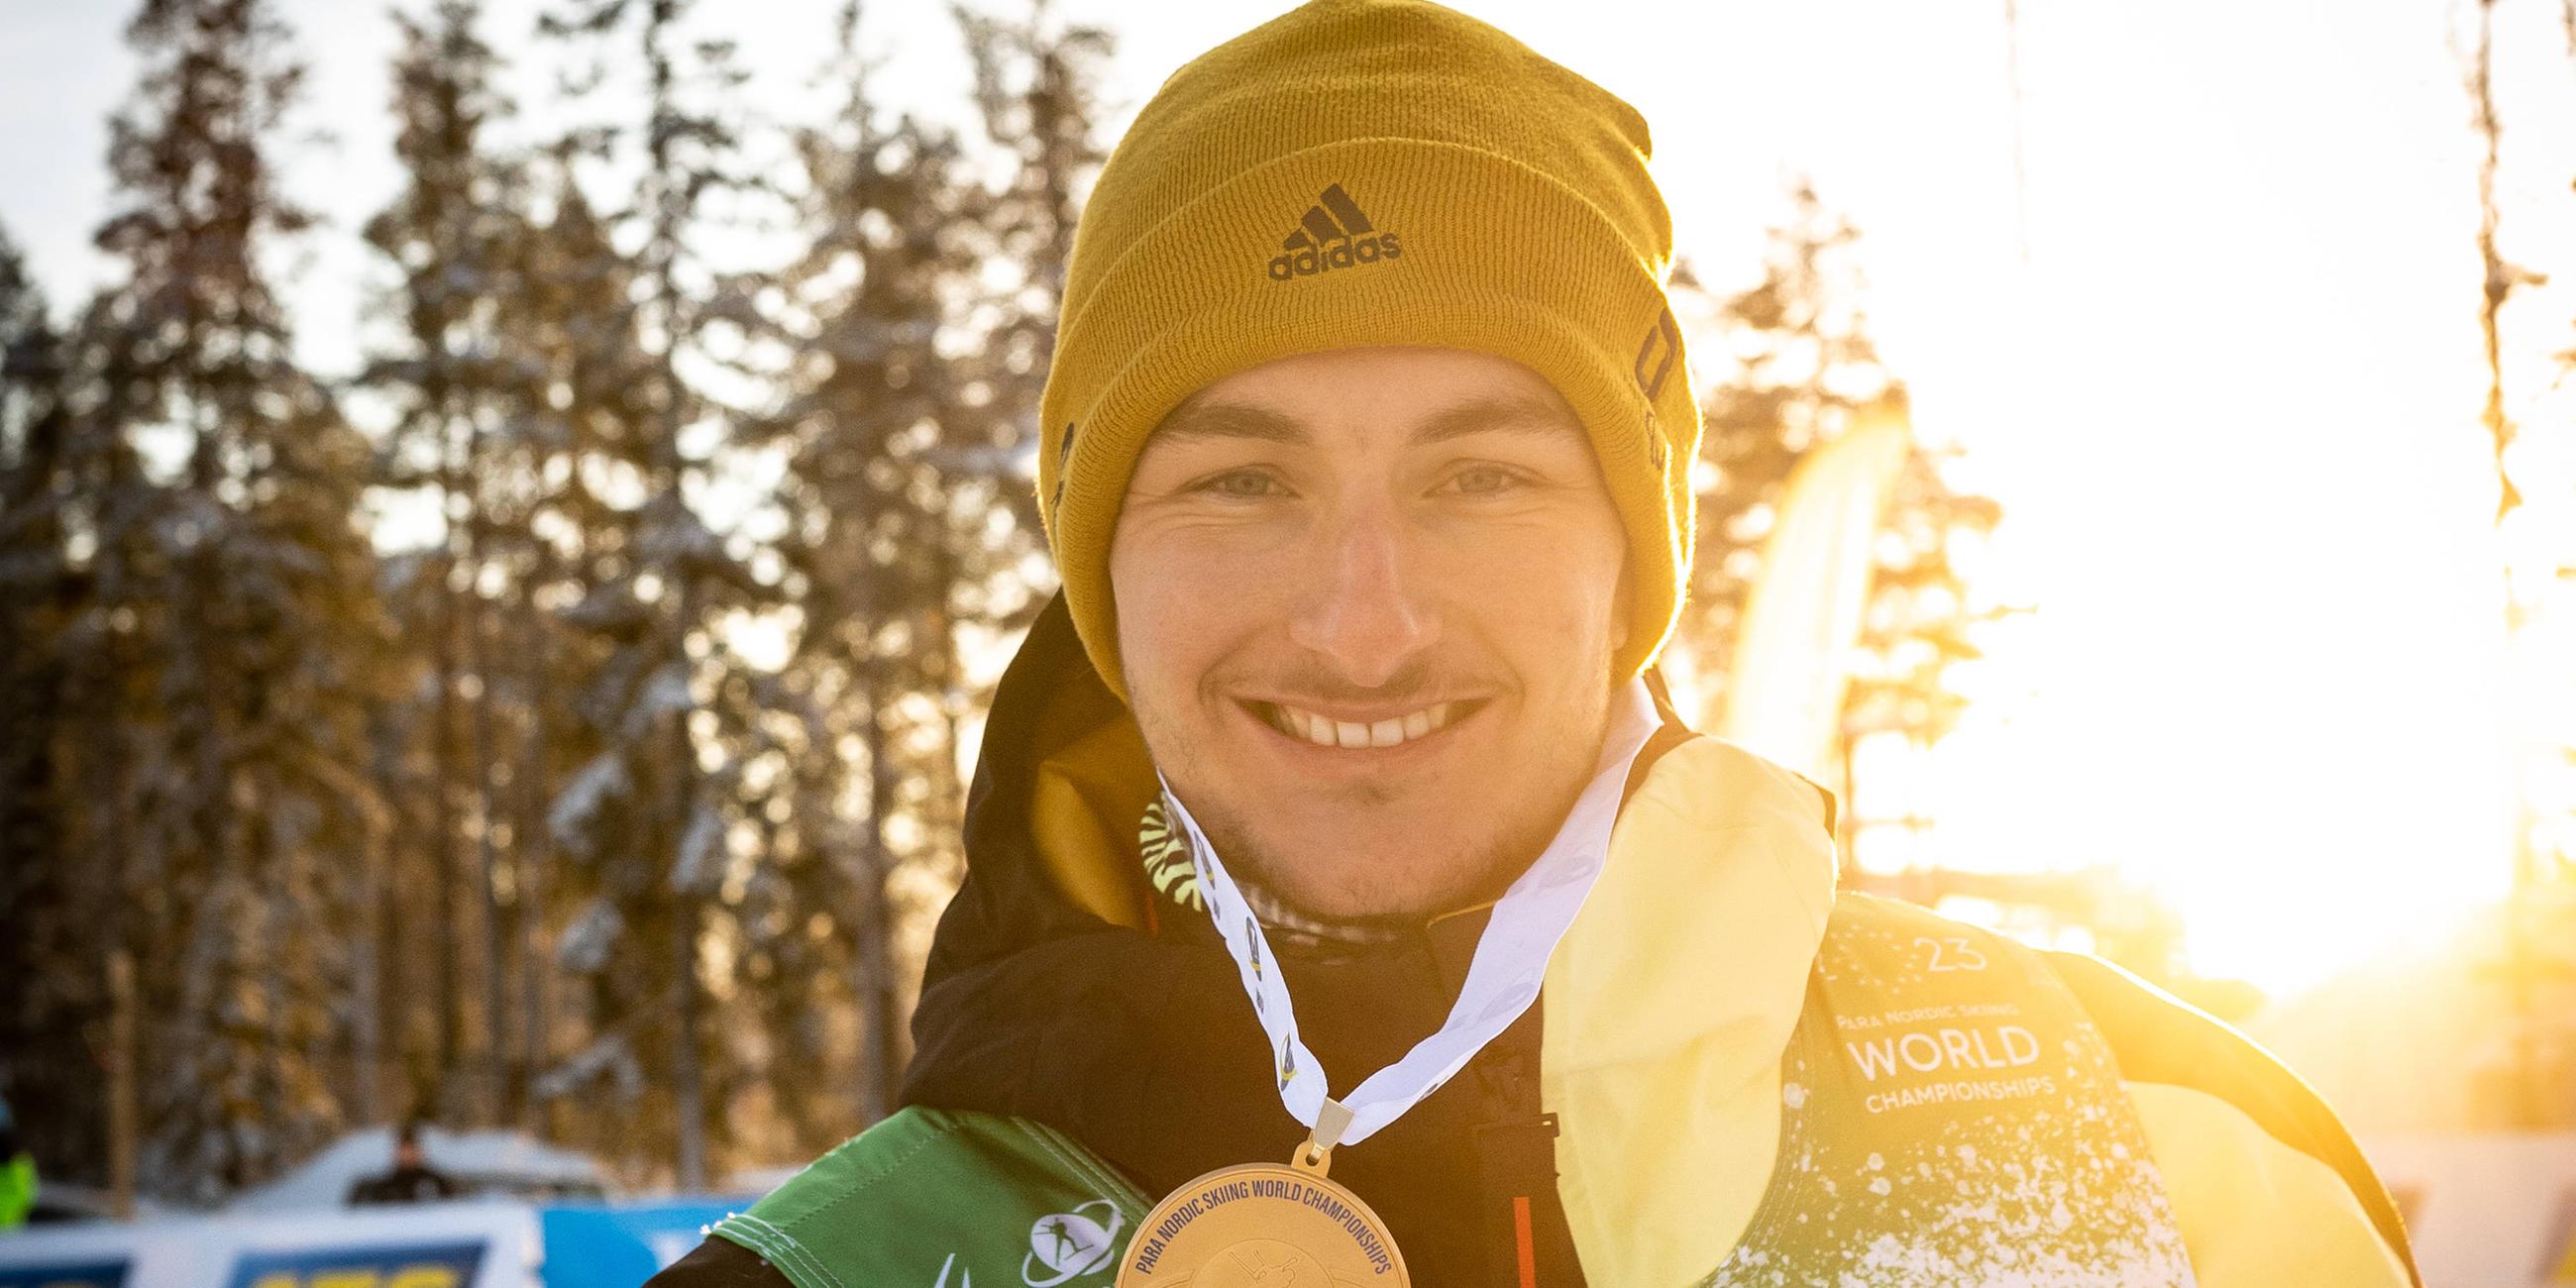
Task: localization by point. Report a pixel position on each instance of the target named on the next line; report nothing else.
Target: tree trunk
(366, 984)
(688, 1079)
(880, 1063)
(449, 1041)
(2527, 1107)
(534, 849)
(123, 1125)
(491, 1048)
(688, 1075)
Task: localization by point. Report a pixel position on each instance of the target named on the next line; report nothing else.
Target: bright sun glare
(2227, 392)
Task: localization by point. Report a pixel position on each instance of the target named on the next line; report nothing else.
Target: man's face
(1367, 605)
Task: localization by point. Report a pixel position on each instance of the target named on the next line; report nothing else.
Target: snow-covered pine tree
(920, 317)
(1038, 91)
(653, 864)
(466, 387)
(51, 905)
(82, 516)
(37, 596)
(251, 587)
(1802, 363)
(574, 314)
(588, 648)
(873, 397)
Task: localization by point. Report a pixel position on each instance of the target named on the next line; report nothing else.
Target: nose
(1362, 612)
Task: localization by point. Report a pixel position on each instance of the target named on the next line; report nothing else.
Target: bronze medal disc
(1268, 1224)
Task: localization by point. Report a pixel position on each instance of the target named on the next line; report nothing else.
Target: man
(1345, 902)
(412, 1179)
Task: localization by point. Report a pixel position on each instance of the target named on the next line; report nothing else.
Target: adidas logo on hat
(1321, 244)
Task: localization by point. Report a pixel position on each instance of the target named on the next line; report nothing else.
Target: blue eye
(1238, 484)
(1483, 480)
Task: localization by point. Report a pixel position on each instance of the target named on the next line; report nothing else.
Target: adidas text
(1343, 254)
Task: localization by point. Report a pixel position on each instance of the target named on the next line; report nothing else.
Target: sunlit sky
(2229, 401)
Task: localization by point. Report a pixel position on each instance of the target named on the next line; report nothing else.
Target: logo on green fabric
(1070, 1244)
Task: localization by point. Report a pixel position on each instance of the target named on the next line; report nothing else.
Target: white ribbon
(1502, 978)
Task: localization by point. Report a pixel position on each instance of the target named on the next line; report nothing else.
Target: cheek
(1173, 608)
(1558, 586)
(1144, 622)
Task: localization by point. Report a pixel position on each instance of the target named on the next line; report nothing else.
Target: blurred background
(510, 513)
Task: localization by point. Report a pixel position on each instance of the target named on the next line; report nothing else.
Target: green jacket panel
(930, 1197)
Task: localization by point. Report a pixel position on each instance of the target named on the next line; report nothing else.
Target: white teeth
(1393, 731)
(1319, 730)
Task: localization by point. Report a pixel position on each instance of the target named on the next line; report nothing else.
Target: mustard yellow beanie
(1371, 172)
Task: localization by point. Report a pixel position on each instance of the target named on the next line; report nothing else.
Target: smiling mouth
(1394, 731)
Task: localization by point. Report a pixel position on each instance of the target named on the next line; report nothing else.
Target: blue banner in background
(426, 1245)
(599, 1245)
(80, 1274)
(365, 1265)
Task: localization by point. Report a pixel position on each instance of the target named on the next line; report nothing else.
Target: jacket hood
(1054, 989)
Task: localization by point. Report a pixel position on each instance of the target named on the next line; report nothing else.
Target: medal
(1288, 1226)
(1264, 1224)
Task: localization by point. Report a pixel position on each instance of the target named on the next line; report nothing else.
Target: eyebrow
(1510, 413)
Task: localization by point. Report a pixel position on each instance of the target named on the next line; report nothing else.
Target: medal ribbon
(1502, 978)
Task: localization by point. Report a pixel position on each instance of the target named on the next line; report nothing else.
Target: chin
(1320, 872)
(1374, 902)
